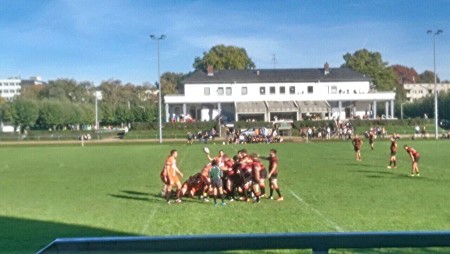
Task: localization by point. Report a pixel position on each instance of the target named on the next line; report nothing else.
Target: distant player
(273, 174)
(216, 175)
(371, 139)
(415, 156)
(170, 176)
(357, 143)
(393, 148)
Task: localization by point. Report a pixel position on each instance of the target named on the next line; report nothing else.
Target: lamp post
(436, 112)
(159, 38)
(98, 96)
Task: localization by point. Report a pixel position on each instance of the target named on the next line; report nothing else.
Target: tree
(52, 114)
(224, 57)
(371, 64)
(404, 75)
(171, 83)
(24, 113)
(428, 77)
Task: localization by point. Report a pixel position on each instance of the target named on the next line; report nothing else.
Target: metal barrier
(320, 243)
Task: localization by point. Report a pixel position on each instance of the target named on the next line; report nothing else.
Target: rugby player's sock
(263, 190)
(271, 192)
(215, 200)
(395, 163)
(168, 193)
(222, 196)
(178, 194)
(278, 192)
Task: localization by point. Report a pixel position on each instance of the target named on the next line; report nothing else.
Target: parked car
(444, 124)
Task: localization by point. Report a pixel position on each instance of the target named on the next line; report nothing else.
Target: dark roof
(276, 75)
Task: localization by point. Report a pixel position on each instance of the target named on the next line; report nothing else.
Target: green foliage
(428, 77)
(426, 106)
(172, 83)
(24, 113)
(371, 64)
(223, 57)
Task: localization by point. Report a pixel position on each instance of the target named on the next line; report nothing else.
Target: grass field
(113, 190)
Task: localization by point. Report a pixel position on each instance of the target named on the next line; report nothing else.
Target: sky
(110, 39)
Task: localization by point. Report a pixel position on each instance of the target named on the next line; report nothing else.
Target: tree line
(66, 103)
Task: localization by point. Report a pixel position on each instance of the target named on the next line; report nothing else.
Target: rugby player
(273, 174)
(371, 139)
(393, 149)
(259, 175)
(415, 156)
(169, 175)
(357, 143)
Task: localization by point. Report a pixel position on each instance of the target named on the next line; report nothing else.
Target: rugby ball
(206, 150)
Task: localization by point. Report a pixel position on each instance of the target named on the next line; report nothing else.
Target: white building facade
(420, 90)
(277, 95)
(9, 88)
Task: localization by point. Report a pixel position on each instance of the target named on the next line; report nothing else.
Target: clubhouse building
(278, 95)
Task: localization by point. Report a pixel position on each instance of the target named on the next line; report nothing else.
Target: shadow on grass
(29, 236)
(147, 197)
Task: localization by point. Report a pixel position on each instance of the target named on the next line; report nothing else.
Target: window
(244, 90)
(310, 89)
(220, 91)
(272, 90)
(262, 90)
(292, 90)
(334, 89)
(206, 91)
(228, 91)
(282, 90)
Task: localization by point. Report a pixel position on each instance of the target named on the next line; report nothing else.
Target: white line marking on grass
(325, 218)
(149, 219)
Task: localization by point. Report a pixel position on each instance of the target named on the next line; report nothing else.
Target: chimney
(210, 70)
(326, 68)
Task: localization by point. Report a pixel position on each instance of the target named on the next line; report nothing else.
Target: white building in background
(9, 88)
(418, 91)
(278, 94)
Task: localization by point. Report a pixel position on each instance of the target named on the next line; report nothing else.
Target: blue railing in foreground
(317, 242)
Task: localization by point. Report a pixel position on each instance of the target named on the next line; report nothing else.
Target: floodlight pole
(96, 111)
(161, 37)
(436, 112)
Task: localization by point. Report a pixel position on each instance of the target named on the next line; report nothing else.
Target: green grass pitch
(55, 191)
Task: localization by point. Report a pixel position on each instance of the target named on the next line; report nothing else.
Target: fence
(319, 243)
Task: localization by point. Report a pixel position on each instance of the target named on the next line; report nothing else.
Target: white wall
(321, 91)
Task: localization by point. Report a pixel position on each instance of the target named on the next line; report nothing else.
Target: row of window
(9, 84)
(9, 91)
(262, 90)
